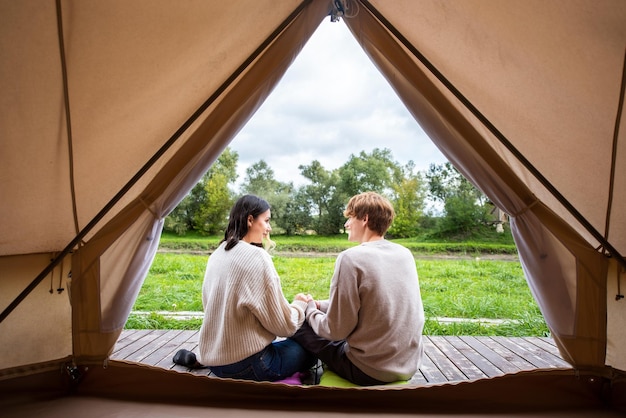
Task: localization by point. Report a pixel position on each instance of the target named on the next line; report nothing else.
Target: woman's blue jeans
(277, 361)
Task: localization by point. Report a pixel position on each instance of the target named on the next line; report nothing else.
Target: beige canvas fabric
(560, 266)
(112, 110)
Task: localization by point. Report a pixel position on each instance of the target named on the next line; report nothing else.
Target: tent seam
(68, 116)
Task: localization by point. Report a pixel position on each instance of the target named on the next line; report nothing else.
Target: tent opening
(331, 104)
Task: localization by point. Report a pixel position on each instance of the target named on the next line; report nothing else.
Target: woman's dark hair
(238, 220)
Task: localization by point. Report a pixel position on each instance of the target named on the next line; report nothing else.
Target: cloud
(331, 103)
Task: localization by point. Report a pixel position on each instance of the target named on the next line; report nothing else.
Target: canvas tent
(112, 110)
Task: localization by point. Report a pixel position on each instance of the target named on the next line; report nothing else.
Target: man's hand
(307, 298)
(302, 297)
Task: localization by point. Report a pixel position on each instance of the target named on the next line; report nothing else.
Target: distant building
(498, 217)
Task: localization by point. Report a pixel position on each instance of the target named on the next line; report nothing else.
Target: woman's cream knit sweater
(244, 306)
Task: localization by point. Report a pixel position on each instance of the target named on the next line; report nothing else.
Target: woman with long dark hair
(244, 306)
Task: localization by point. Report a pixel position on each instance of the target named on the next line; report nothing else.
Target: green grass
(495, 244)
(450, 288)
(305, 275)
(190, 241)
(154, 320)
(174, 283)
(475, 289)
(453, 247)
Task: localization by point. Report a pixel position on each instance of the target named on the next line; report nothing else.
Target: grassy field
(490, 297)
(489, 244)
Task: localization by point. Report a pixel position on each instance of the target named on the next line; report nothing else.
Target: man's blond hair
(378, 209)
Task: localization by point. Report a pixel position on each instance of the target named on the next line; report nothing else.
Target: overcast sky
(331, 103)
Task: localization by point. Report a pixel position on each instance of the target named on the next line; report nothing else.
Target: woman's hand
(307, 298)
(303, 297)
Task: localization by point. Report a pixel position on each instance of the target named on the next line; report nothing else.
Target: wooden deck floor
(447, 359)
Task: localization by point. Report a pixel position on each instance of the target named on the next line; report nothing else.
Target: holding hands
(307, 298)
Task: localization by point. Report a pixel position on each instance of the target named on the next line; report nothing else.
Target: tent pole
(483, 119)
(171, 141)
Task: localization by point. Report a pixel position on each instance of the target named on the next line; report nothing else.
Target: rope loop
(525, 208)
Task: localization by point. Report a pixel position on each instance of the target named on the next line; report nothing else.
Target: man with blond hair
(369, 331)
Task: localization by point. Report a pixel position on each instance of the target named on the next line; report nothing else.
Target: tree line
(317, 207)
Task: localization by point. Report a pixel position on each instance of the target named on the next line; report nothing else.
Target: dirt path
(312, 254)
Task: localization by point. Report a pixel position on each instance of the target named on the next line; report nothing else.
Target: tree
(297, 218)
(321, 196)
(206, 206)
(212, 218)
(212, 215)
(318, 205)
(181, 219)
(367, 173)
(408, 201)
(260, 181)
(464, 204)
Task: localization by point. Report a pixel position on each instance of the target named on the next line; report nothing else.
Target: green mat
(331, 379)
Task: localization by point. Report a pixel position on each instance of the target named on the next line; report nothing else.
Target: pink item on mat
(295, 379)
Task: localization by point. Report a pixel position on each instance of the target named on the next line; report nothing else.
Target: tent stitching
(68, 115)
(618, 120)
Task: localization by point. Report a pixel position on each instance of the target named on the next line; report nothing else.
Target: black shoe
(186, 358)
(314, 374)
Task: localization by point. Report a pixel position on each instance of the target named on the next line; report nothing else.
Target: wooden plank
(127, 337)
(499, 362)
(175, 344)
(418, 379)
(443, 363)
(144, 346)
(463, 364)
(530, 352)
(550, 347)
(476, 358)
(430, 371)
(503, 351)
(446, 359)
(190, 343)
(135, 342)
(157, 348)
(547, 340)
(163, 347)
